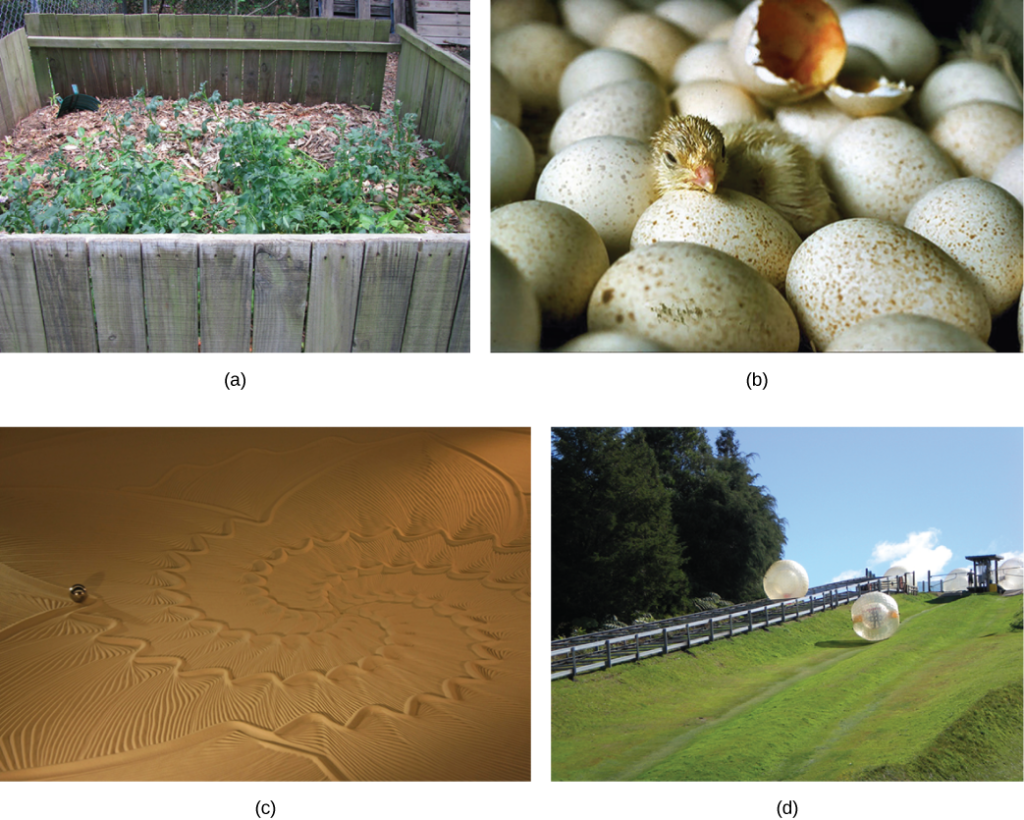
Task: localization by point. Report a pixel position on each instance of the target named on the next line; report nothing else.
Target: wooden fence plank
(169, 268)
(187, 83)
(96, 79)
(434, 298)
(168, 58)
(251, 61)
(120, 79)
(281, 284)
(21, 319)
(218, 58)
(40, 62)
(236, 31)
(73, 70)
(201, 54)
(26, 100)
(299, 61)
(346, 63)
(388, 268)
(314, 94)
(333, 294)
(286, 30)
(115, 265)
(151, 28)
(268, 62)
(463, 325)
(240, 43)
(62, 277)
(225, 284)
(333, 31)
(365, 293)
(8, 71)
(136, 57)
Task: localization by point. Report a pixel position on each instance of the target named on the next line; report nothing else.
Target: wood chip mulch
(39, 134)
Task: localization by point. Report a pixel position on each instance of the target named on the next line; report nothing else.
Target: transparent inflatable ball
(785, 579)
(876, 616)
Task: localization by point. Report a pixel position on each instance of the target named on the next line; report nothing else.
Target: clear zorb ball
(785, 579)
(1011, 574)
(956, 580)
(876, 616)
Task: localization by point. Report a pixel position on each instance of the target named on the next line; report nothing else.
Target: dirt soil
(39, 134)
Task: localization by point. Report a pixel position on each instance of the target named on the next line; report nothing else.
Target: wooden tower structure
(986, 571)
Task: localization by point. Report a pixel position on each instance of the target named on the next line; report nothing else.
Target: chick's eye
(669, 158)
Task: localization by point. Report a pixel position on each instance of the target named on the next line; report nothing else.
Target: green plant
(262, 183)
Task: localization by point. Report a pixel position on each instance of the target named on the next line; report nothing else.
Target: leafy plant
(125, 182)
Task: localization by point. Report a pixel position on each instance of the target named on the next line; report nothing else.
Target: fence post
(730, 624)
(664, 640)
(636, 638)
(573, 651)
(711, 626)
(608, 653)
(750, 620)
(687, 634)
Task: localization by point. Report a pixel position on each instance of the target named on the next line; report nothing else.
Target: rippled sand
(265, 604)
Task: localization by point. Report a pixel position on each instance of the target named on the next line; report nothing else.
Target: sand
(265, 604)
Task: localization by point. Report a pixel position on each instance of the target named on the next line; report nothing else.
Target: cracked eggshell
(692, 298)
(880, 166)
(609, 181)
(737, 224)
(658, 42)
(611, 341)
(600, 67)
(533, 56)
(853, 270)
(906, 333)
(786, 50)
(862, 90)
(982, 227)
(718, 102)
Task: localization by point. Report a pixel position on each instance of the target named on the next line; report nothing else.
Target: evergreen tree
(614, 549)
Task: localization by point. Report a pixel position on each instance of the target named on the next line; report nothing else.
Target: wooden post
(400, 12)
(730, 624)
(608, 653)
(687, 634)
(636, 639)
(711, 627)
(363, 9)
(572, 650)
(664, 640)
(327, 8)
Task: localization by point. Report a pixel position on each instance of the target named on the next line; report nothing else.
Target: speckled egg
(977, 135)
(906, 333)
(599, 67)
(718, 102)
(964, 81)
(609, 181)
(855, 269)
(1009, 172)
(982, 227)
(812, 123)
(557, 252)
(589, 19)
(533, 56)
(515, 315)
(611, 341)
(697, 18)
(504, 99)
(656, 41)
(704, 61)
(734, 223)
(903, 44)
(692, 298)
(879, 167)
(512, 163)
(634, 109)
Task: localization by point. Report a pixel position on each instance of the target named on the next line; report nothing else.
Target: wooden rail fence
(603, 650)
(255, 59)
(234, 293)
(18, 94)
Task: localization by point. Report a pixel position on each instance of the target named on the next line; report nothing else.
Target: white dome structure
(1011, 574)
(785, 579)
(876, 616)
(956, 580)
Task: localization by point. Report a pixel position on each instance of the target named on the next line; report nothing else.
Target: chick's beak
(704, 177)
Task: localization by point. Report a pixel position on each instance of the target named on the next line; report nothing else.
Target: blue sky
(857, 498)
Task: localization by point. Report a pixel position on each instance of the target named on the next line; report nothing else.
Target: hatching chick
(755, 158)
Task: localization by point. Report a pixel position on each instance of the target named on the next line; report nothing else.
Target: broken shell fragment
(786, 50)
(863, 96)
(862, 90)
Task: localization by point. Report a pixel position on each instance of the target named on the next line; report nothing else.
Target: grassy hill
(940, 700)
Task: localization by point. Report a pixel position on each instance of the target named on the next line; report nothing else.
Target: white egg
(692, 298)
(656, 41)
(963, 81)
(734, 223)
(599, 67)
(696, 17)
(907, 333)
(515, 315)
(855, 269)
(982, 227)
(512, 163)
(1009, 172)
(879, 167)
(704, 61)
(589, 19)
(611, 341)
(718, 102)
(609, 181)
(812, 123)
(903, 44)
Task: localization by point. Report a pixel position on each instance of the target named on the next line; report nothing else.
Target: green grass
(940, 700)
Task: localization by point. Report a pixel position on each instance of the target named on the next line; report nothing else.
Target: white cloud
(919, 552)
(1005, 555)
(847, 574)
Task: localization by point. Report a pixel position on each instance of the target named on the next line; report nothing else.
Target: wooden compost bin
(435, 85)
(227, 292)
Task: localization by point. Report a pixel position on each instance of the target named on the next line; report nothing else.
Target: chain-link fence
(12, 12)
